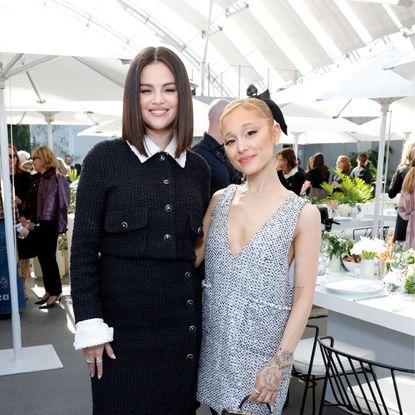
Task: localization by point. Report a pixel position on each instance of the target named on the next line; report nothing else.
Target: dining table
(362, 312)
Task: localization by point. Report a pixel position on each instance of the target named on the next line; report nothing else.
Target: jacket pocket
(126, 220)
(126, 233)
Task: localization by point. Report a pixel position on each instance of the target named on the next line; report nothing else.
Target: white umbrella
(24, 81)
(318, 130)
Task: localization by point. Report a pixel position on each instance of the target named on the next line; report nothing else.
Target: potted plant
(338, 249)
(346, 200)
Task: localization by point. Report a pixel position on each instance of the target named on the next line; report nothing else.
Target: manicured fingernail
(99, 376)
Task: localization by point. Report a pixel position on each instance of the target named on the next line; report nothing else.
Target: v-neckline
(253, 237)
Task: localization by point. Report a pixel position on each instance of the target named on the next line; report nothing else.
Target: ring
(98, 360)
(257, 391)
(89, 361)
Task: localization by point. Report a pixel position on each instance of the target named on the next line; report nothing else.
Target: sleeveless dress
(247, 300)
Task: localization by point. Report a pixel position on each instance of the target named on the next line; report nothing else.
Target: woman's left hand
(268, 379)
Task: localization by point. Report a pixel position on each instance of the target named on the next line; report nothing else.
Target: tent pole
(9, 227)
(49, 118)
(18, 359)
(384, 106)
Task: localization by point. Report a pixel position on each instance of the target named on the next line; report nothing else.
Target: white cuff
(92, 332)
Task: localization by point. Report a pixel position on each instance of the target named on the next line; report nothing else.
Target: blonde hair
(62, 167)
(250, 104)
(408, 154)
(408, 184)
(346, 161)
(47, 156)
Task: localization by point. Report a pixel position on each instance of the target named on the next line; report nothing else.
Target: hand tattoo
(275, 369)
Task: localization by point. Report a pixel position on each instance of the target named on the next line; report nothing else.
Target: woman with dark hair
(20, 180)
(362, 170)
(315, 176)
(136, 293)
(287, 163)
(46, 216)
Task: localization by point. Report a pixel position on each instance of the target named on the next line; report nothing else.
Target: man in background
(68, 161)
(211, 149)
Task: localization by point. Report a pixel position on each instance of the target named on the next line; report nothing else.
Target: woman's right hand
(93, 357)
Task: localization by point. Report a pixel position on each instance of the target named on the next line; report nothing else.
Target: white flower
(368, 248)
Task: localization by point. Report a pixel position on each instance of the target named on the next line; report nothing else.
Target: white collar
(291, 172)
(152, 148)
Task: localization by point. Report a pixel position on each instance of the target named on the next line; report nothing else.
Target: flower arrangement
(368, 248)
(338, 246)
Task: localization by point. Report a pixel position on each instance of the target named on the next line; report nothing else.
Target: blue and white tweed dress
(247, 300)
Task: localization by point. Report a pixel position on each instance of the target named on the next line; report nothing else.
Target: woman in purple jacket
(46, 214)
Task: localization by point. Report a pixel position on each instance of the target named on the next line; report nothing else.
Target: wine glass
(398, 266)
(323, 258)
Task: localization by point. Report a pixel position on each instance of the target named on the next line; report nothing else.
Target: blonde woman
(407, 205)
(261, 264)
(46, 214)
(395, 187)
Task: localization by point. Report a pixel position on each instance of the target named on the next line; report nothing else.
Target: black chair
(367, 232)
(364, 386)
(309, 366)
(304, 370)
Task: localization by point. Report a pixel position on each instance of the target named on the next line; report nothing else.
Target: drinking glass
(398, 267)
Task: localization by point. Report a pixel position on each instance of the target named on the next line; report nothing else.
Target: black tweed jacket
(128, 209)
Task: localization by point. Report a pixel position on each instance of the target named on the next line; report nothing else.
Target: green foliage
(72, 200)
(73, 174)
(352, 190)
(21, 136)
(62, 242)
(409, 284)
(337, 246)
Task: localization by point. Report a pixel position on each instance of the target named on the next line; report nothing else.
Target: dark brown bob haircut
(289, 156)
(133, 127)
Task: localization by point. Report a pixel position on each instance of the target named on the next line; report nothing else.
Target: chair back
(367, 232)
(364, 386)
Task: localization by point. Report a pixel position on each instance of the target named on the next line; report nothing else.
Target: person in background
(315, 176)
(68, 161)
(23, 156)
(395, 187)
(5, 298)
(286, 162)
(136, 293)
(20, 181)
(261, 268)
(407, 205)
(46, 214)
(78, 168)
(63, 169)
(345, 167)
(211, 149)
(362, 169)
